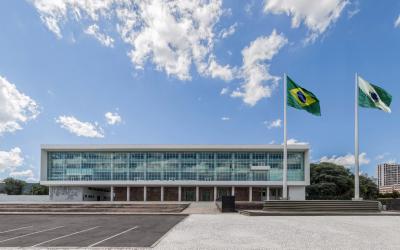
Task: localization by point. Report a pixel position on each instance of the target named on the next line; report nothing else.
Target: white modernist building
(172, 172)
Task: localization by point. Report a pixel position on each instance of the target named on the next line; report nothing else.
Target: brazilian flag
(300, 98)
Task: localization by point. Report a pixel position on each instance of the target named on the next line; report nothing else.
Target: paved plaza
(200, 231)
(235, 231)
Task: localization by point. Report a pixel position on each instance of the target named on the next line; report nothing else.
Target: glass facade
(172, 166)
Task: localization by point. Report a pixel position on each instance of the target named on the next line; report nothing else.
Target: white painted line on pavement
(15, 229)
(54, 228)
(64, 236)
(115, 235)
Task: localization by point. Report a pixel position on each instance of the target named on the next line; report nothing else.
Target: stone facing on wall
(66, 193)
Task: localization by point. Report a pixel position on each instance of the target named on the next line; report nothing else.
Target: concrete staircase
(322, 206)
(110, 207)
(315, 207)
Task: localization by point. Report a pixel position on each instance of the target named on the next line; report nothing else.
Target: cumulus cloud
(397, 22)
(85, 129)
(293, 141)
(173, 35)
(104, 39)
(216, 70)
(273, 124)
(316, 15)
(258, 82)
(224, 91)
(346, 160)
(16, 108)
(113, 118)
(24, 174)
(228, 31)
(225, 118)
(9, 160)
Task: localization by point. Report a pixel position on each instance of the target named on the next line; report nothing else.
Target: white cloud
(25, 174)
(346, 160)
(248, 8)
(85, 129)
(355, 9)
(113, 118)
(224, 91)
(317, 15)
(382, 156)
(173, 35)
(258, 82)
(229, 31)
(15, 107)
(215, 70)
(9, 160)
(293, 141)
(273, 124)
(176, 36)
(397, 22)
(224, 118)
(104, 39)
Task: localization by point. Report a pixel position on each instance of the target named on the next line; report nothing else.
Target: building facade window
(171, 166)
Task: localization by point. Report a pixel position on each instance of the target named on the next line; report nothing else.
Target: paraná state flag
(301, 98)
(372, 96)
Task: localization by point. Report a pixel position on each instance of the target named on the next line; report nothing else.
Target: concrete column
(162, 193)
(128, 193)
(112, 193)
(197, 193)
(250, 194)
(233, 191)
(179, 193)
(215, 193)
(144, 193)
(267, 193)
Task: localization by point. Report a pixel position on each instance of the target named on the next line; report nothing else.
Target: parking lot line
(15, 229)
(113, 236)
(16, 237)
(64, 236)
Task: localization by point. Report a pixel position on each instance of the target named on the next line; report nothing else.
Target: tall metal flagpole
(356, 154)
(284, 187)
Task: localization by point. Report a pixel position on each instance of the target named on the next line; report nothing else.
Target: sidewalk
(234, 231)
(201, 208)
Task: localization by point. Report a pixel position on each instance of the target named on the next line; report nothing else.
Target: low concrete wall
(66, 193)
(297, 193)
(24, 198)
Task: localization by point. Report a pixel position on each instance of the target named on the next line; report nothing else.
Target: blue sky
(193, 72)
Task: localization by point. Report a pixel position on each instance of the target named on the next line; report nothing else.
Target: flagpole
(284, 178)
(356, 154)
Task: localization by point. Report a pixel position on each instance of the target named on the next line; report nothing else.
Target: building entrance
(275, 193)
(206, 193)
(188, 194)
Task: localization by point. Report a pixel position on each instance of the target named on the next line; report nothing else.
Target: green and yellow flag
(300, 98)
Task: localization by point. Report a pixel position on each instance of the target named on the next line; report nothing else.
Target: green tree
(13, 186)
(329, 181)
(368, 188)
(38, 189)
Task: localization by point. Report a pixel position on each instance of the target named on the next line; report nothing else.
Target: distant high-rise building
(388, 177)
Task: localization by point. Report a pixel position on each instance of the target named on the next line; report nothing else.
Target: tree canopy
(13, 186)
(329, 181)
(38, 189)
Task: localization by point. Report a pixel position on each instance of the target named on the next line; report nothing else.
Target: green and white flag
(372, 96)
